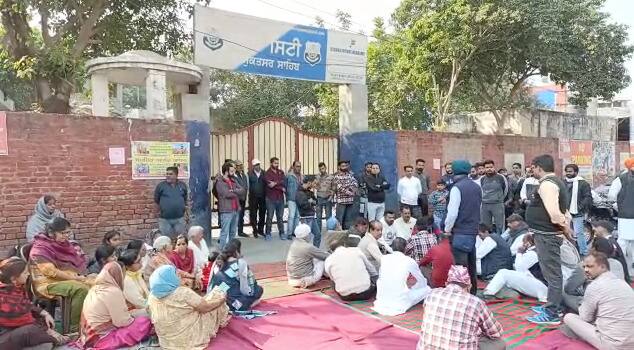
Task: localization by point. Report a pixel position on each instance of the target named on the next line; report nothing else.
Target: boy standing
(438, 199)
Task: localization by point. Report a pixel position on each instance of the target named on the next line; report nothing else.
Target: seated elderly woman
(22, 324)
(183, 319)
(163, 250)
(106, 321)
(199, 246)
(135, 289)
(231, 275)
(58, 268)
(183, 258)
(45, 211)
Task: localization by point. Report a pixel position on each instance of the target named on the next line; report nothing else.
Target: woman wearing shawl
(231, 274)
(106, 322)
(164, 253)
(22, 324)
(134, 287)
(183, 319)
(57, 267)
(45, 211)
(199, 246)
(183, 258)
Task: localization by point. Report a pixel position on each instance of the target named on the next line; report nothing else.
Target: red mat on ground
(554, 340)
(311, 322)
(268, 270)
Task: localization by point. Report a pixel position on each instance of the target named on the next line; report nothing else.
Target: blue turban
(461, 167)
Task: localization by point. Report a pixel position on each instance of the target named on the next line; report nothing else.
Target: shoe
(242, 234)
(480, 294)
(267, 237)
(538, 309)
(283, 237)
(545, 318)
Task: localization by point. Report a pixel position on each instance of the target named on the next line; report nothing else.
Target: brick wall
(427, 145)
(68, 156)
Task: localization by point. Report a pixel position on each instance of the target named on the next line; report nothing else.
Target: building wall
(68, 156)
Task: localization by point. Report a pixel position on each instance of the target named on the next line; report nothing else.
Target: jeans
(375, 211)
(580, 236)
(229, 227)
(172, 227)
(275, 207)
(241, 217)
(293, 217)
(493, 212)
(346, 215)
(548, 247)
(257, 214)
(323, 204)
(314, 229)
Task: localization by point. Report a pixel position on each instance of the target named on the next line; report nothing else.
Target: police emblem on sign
(312, 52)
(212, 42)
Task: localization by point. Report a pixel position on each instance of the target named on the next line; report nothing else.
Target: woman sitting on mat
(22, 324)
(135, 289)
(103, 255)
(106, 321)
(182, 318)
(57, 268)
(163, 248)
(231, 274)
(183, 258)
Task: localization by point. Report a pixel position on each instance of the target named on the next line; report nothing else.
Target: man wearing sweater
(409, 189)
(580, 202)
(275, 189)
(376, 185)
(494, 192)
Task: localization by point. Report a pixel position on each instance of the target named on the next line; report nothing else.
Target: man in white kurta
(393, 297)
(626, 225)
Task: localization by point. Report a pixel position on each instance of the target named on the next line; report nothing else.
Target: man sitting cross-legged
(455, 319)
(304, 262)
(349, 269)
(606, 315)
(393, 296)
(440, 258)
(526, 278)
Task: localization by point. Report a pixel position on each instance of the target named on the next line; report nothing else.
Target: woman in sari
(57, 268)
(22, 324)
(45, 211)
(183, 319)
(134, 287)
(106, 322)
(231, 274)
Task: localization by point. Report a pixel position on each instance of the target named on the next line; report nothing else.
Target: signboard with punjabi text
(150, 159)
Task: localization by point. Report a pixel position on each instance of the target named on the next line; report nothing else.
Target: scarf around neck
(41, 216)
(575, 191)
(64, 255)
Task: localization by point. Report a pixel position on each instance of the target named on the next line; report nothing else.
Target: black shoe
(242, 234)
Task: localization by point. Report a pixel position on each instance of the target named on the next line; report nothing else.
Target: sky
(364, 11)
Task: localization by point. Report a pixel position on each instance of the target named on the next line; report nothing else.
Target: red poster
(4, 143)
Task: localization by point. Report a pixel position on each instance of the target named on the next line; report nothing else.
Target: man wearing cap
(243, 180)
(622, 191)
(257, 198)
(304, 262)
(345, 188)
(463, 218)
(455, 319)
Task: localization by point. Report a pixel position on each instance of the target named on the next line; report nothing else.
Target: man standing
(606, 315)
(257, 198)
(325, 194)
(622, 191)
(494, 191)
(579, 204)
(306, 203)
(170, 197)
(409, 190)
(275, 190)
(463, 219)
(477, 171)
(345, 188)
(448, 178)
(514, 184)
(229, 194)
(363, 190)
(425, 183)
(243, 180)
(293, 184)
(546, 218)
(376, 185)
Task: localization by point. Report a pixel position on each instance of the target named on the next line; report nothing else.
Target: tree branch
(86, 31)
(44, 16)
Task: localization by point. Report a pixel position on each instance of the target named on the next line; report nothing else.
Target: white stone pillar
(118, 102)
(196, 106)
(353, 109)
(156, 94)
(100, 95)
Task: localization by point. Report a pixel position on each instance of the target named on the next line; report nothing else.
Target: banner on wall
(603, 156)
(151, 158)
(4, 139)
(581, 154)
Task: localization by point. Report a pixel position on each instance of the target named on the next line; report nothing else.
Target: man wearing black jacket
(376, 185)
(257, 199)
(579, 203)
(306, 202)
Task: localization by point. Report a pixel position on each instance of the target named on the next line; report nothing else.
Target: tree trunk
(54, 97)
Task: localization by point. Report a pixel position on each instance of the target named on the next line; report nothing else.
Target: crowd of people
(525, 233)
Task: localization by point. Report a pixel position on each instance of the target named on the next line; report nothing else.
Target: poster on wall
(603, 156)
(151, 158)
(581, 154)
(4, 139)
